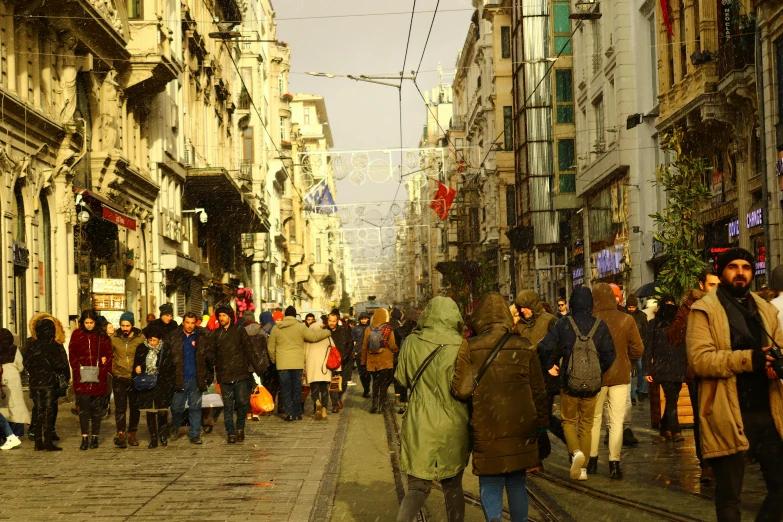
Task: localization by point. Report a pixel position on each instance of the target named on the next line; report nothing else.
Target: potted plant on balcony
(288, 97)
(285, 144)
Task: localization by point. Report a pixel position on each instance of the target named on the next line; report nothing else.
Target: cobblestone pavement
(274, 475)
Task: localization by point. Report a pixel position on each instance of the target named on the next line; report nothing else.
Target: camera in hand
(777, 364)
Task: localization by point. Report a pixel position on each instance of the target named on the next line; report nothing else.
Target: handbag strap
(484, 367)
(423, 367)
(328, 351)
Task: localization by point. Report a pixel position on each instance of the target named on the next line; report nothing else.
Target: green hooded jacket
(435, 436)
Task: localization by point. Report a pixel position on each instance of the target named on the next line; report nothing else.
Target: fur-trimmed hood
(59, 333)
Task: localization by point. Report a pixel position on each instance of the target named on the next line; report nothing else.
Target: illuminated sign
(755, 218)
(734, 228)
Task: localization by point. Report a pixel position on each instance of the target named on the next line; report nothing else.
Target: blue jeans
(236, 395)
(639, 384)
(5, 427)
(291, 389)
(192, 394)
(491, 488)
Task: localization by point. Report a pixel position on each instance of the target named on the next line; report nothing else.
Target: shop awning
(224, 200)
(104, 207)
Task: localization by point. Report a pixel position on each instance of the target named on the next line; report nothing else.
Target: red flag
(444, 197)
(666, 21)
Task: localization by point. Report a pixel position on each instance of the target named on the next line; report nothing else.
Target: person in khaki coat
(380, 365)
(740, 396)
(616, 382)
(509, 407)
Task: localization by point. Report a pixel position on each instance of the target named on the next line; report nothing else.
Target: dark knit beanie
(166, 309)
(734, 254)
(632, 301)
(290, 311)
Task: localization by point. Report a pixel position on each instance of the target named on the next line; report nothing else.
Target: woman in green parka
(435, 429)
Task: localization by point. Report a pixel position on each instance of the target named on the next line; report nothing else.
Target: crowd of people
(485, 385)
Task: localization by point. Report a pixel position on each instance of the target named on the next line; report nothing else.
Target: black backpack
(584, 367)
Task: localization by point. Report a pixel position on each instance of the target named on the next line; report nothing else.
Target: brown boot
(240, 435)
(132, 440)
(120, 440)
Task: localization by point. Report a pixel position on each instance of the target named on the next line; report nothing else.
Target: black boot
(592, 466)
(85, 444)
(614, 470)
(94, 443)
(39, 445)
(153, 442)
(629, 441)
(49, 446)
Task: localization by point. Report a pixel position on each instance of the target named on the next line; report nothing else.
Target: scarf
(152, 357)
(739, 312)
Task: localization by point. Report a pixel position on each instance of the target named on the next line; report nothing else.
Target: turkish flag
(666, 21)
(444, 197)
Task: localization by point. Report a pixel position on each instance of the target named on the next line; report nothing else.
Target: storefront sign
(726, 21)
(609, 261)
(718, 213)
(734, 228)
(716, 188)
(118, 219)
(108, 286)
(755, 218)
(578, 276)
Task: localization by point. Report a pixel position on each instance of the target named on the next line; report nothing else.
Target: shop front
(608, 234)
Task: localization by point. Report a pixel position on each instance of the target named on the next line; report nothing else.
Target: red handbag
(333, 360)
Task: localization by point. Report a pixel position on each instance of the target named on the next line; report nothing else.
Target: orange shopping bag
(261, 401)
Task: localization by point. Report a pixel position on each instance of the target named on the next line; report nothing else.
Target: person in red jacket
(90, 347)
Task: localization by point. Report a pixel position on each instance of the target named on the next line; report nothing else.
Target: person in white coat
(318, 376)
(12, 402)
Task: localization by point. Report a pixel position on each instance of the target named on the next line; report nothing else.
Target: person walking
(317, 374)
(124, 344)
(231, 352)
(270, 379)
(401, 333)
(730, 333)
(286, 350)
(378, 349)
(12, 404)
(665, 365)
(676, 336)
(509, 399)
(616, 381)
(358, 340)
(166, 323)
(533, 325)
(259, 340)
(639, 384)
(152, 361)
(188, 351)
(577, 405)
(562, 308)
(59, 337)
(90, 356)
(343, 341)
(435, 436)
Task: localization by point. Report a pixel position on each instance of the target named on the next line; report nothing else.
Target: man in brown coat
(740, 395)
(616, 382)
(379, 361)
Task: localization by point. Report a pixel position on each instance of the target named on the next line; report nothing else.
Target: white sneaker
(351, 383)
(583, 474)
(11, 442)
(578, 458)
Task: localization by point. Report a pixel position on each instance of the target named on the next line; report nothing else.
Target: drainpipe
(763, 143)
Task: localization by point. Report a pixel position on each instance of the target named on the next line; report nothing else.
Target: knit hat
(153, 331)
(733, 254)
(632, 301)
(249, 317)
(225, 309)
(290, 311)
(277, 316)
(166, 309)
(776, 279)
(128, 316)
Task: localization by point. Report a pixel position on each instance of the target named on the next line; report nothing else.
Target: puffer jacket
(535, 328)
(708, 345)
(287, 343)
(509, 403)
(384, 360)
(45, 358)
(435, 436)
(230, 352)
(124, 352)
(625, 335)
(663, 361)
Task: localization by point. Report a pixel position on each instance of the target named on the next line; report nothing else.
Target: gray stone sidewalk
(274, 475)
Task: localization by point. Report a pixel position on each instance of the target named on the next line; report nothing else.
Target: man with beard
(740, 395)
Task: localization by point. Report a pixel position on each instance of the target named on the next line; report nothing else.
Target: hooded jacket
(287, 343)
(87, 348)
(59, 332)
(124, 352)
(555, 348)
(535, 328)
(267, 323)
(175, 341)
(708, 344)
(231, 352)
(384, 360)
(627, 340)
(357, 332)
(316, 355)
(45, 358)
(679, 327)
(435, 438)
(509, 403)
(662, 360)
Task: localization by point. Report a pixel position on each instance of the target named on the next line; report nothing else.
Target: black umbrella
(647, 290)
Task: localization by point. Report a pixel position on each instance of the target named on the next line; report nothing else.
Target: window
(598, 113)
(45, 253)
(683, 46)
(292, 232)
(307, 116)
(508, 128)
(505, 42)
(564, 95)
(565, 155)
(511, 206)
(473, 225)
(281, 84)
(135, 9)
(597, 46)
(283, 130)
(318, 250)
(562, 10)
(18, 223)
(653, 60)
(247, 146)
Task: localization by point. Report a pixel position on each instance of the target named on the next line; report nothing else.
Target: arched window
(19, 232)
(45, 253)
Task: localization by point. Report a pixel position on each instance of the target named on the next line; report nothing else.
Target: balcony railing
(244, 101)
(246, 172)
(457, 123)
(736, 53)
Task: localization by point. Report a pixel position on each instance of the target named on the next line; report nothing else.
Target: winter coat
(315, 357)
(357, 332)
(87, 349)
(13, 407)
(344, 342)
(383, 360)
(159, 326)
(509, 403)
(640, 318)
(555, 348)
(158, 398)
(627, 340)
(59, 332)
(435, 436)
(679, 327)
(287, 343)
(175, 341)
(45, 358)
(663, 361)
(124, 352)
(535, 328)
(231, 352)
(260, 342)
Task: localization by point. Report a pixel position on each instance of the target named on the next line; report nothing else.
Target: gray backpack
(584, 367)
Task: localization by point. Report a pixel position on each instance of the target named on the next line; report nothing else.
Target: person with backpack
(358, 340)
(435, 437)
(259, 339)
(502, 377)
(317, 374)
(586, 349)
(378, 349)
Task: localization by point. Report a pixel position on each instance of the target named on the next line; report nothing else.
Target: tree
(683, 181)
